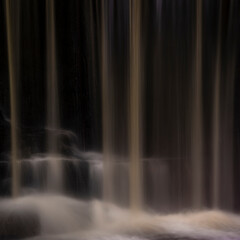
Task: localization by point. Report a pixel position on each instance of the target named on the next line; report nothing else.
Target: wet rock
(167, 236)
(76, 175)
(5, 181)
(18, 224)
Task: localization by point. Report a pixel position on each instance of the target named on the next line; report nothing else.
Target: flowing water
(197, 130)
(124, 118)
(135, 105)
(55, 176)
(12, 16)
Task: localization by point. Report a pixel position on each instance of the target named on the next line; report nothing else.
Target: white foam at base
(66, 218)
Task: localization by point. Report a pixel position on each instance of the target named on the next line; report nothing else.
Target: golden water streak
(135, 92)
(106, 113)
(216, 120)
(197, 130)
(55, 179)
(12, 61)
(52, 86)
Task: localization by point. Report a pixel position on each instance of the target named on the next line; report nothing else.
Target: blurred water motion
(65, 218)
(152, 87)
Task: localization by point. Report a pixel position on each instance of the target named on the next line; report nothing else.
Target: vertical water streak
(135, 96)
(93, 67)
(12, 19)
(55, 169)
(106, 111)
(227, 117)
(197, 144)
(216, 118)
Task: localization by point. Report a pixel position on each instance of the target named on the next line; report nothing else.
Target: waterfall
(149, 86)
(135, 105)
(216, 118)
(13, 38)
(55, 168)
(197, 129)
(106, 109)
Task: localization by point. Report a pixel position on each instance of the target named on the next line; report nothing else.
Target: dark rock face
(76, 175)
(169, 236)
(5, 179)
(18, 224)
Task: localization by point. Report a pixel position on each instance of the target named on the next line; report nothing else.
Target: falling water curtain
(168, 34)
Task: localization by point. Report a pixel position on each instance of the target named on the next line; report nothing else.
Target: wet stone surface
(18, 225)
